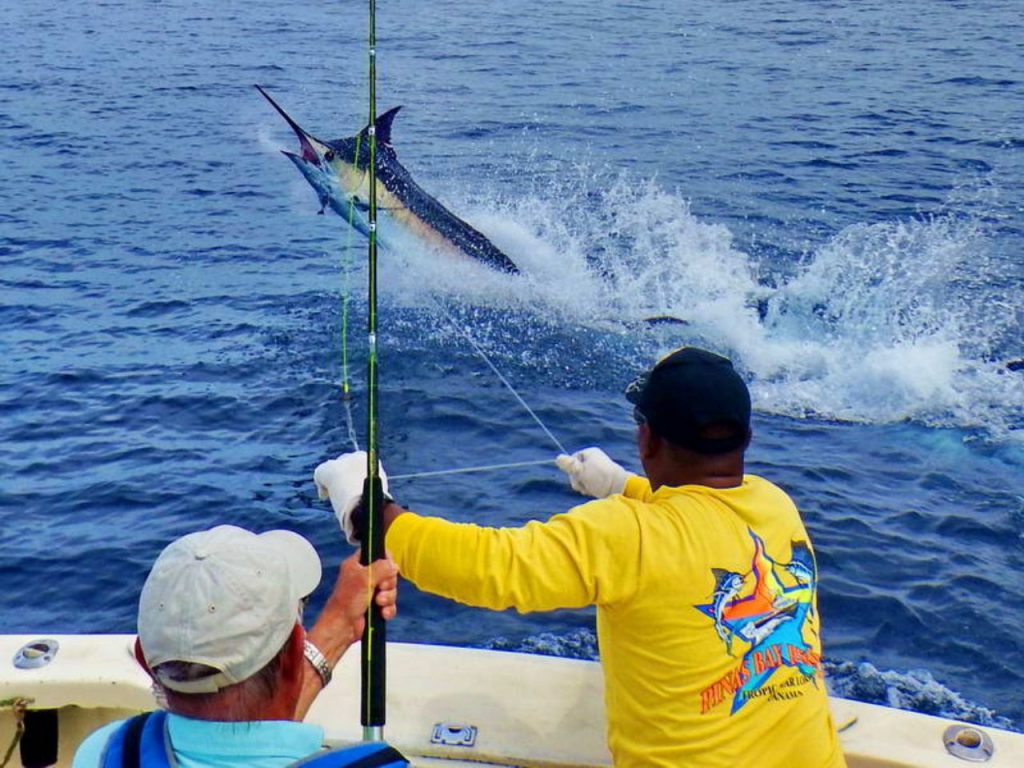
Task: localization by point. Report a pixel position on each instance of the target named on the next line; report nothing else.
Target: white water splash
(903, 320)
(884, 322)
(914, 690)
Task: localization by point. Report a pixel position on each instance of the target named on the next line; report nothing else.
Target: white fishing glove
(592, 473)
(341, 480)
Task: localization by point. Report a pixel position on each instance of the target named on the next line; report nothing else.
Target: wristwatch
(319, 662)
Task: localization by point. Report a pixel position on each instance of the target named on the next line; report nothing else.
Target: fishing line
(346, 267)
(501, 378)
(483, 355)
(466, 470)
(508, 385)
(346, 396)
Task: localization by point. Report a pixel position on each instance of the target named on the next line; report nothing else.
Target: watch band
(318, 660)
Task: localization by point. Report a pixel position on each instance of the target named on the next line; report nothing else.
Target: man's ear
(294, 657)
(648, 444)
(140, 657)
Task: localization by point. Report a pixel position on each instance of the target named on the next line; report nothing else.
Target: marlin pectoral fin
(363, 206)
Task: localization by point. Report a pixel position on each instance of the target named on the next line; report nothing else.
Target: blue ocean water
(829, 192)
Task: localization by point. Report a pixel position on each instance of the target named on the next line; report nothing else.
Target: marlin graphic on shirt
(801, 566)
(727, 586)
(768, 616)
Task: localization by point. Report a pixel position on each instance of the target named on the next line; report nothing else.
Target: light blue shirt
(215, 744)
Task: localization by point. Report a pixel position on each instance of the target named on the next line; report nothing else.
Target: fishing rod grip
(372, 655)
(372, 535)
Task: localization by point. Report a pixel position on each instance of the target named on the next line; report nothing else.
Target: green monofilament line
(345, 386)
(373, 645)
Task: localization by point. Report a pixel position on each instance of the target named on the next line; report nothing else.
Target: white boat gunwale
(449, 705)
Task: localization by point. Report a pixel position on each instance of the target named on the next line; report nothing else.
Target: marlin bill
(337, 171)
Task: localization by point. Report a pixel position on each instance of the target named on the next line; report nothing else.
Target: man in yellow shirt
(703, 577)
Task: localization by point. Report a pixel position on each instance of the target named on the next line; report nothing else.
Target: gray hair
(255, 689)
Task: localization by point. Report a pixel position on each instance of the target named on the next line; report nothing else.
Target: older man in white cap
(220, 633)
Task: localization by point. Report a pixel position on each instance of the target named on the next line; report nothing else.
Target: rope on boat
(19, 707)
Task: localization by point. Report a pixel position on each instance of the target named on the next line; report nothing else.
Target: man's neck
(723, 471)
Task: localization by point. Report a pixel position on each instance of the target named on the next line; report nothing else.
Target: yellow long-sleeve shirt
(707, 621)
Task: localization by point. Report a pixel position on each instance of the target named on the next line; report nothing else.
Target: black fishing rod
(373, 662)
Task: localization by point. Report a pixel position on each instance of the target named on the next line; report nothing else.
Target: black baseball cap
(689, 391)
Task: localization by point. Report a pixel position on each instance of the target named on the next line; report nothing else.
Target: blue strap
(155, 747)
(370, 755)
(140, 742)
(127, 735)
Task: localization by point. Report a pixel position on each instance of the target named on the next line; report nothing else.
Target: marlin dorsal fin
(383, 123)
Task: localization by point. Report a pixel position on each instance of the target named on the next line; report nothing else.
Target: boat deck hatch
(37, 653)
(451, 735)
(967, 743)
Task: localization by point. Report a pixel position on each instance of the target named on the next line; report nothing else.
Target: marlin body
(338, 171)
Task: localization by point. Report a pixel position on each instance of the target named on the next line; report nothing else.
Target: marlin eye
(329, 155)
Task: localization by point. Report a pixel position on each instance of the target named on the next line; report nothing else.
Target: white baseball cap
(226, 598)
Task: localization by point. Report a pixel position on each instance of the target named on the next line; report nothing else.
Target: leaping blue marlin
(338, 172)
